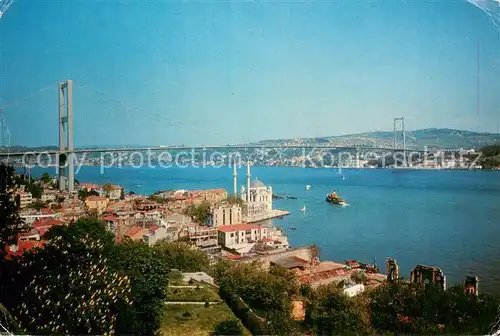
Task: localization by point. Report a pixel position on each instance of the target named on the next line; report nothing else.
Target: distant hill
(437, 138)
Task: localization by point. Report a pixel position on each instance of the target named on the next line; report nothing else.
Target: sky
(227, 72)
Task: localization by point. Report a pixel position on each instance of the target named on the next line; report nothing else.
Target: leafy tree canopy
(228, 328)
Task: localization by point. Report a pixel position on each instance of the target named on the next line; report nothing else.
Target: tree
(122, 194)
(107, 189)
(45, 178)
(35, 189)
(149, 281)
(181, 256)
(234, 199)
(66, 287)
(199, 212)
(10, 222)
(228, 328)
(268, 293)
(84, 193)
(331, 312)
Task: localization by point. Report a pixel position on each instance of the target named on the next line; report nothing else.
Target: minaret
(235, 185)
(248, 181)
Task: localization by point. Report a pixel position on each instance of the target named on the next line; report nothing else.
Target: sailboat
(303, 209)
(308, 187)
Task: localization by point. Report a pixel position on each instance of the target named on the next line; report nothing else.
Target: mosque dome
(257, 184)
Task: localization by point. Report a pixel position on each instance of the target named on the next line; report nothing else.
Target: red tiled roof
(115, 187)
(238, 227)
(233, 256)
(47, 222)
(310, 278)
(32, 232)
(46, 211)
(136, 230)
(90, 185)
(154, 228)
(24, 245)
(110, 218)
(95, 198)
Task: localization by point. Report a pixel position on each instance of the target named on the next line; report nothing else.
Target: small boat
(308, 187)
(303, 209)
(293, 228)
(335, 199)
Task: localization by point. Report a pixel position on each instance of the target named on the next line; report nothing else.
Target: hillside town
(213, 221)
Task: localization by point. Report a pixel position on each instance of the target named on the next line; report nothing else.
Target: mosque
(257, 198)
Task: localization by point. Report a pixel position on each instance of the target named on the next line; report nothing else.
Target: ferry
(335, 199)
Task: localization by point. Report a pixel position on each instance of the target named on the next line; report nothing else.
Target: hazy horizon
(232, 72)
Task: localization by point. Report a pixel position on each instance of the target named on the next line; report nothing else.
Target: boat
(308, 187)
(303, 209)
(335, 199)
(293, 228)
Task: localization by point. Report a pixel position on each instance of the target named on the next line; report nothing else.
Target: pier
(266, 215)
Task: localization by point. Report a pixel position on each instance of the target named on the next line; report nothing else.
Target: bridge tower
(65, 158)
(402, 121)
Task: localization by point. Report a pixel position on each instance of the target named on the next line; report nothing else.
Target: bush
(228, 327)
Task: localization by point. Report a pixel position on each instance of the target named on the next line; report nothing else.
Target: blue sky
(223, 72)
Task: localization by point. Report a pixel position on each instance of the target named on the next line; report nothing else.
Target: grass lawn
(192, 294)
(190, 320)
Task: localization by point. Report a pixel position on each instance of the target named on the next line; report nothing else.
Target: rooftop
(257, 184)
(291, 262)
(238, 227)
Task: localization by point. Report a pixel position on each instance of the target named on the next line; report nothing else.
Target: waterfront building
(257, 197)
(240, 234)
(225, 214)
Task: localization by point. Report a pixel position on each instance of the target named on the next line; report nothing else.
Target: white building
(25, 199)
(155, 234)
(257, 197)
(225, 214)
(240, 233)
(354, 290)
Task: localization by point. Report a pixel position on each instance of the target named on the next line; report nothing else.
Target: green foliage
(268, 292)
(181, 256)
(45, 178)
(228, 328)
(234, 199)
(83, 193)
(200, 212)
(66, 287)
(35, 189)
(331, 312)
(148, 272)
(492, 150)
(10, 222)
(406, 308)
(358, 277)
(37, 205)
(107, 188)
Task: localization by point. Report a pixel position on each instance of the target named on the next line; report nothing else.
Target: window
(232, 235)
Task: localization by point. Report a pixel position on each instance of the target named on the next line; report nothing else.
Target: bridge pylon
(402, 120)
(65, 157)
